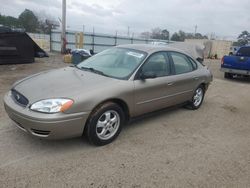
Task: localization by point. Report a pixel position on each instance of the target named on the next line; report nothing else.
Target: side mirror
(147, 75)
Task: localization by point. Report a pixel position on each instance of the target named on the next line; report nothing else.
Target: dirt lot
(176, 147)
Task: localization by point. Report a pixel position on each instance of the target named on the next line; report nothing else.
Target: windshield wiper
(92, 70)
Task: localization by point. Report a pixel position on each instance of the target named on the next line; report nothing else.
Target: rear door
(186, 77)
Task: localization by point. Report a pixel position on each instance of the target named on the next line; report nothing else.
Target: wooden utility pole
(63, 34)
(195, 29)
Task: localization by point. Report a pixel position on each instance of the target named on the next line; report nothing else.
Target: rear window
(193, 62)
(244, 51)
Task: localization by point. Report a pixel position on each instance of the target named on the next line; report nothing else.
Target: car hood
(66, 82)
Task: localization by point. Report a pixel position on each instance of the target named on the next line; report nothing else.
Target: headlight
(52, 105)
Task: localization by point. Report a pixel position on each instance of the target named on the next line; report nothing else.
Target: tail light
(222, 60)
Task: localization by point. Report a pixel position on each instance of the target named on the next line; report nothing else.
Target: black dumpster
(18, 47)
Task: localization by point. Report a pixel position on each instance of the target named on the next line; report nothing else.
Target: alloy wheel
(107, 125)
(198, 97)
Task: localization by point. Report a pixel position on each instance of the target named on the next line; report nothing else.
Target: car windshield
(115, 62)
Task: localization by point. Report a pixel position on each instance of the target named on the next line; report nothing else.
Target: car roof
(150, 48)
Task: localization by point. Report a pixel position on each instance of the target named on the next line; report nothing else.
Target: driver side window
(157, 64)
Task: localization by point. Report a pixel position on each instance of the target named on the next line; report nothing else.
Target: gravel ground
(175, 147)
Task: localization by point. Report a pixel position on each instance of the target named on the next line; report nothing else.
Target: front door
(151, 93)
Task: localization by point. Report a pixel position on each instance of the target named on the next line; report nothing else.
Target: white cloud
(223, 17)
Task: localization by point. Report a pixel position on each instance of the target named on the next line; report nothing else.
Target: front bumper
(235, 71)
(49, 126)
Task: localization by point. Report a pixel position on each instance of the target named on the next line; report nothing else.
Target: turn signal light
(66, 106)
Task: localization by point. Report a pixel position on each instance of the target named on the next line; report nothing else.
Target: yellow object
(79, 40)
(67, 58)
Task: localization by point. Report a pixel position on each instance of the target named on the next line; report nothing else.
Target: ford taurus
(99, 95)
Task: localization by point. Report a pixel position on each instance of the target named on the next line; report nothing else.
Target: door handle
(196, 78)
(170, 83)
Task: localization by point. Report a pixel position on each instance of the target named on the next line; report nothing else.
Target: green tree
(165, 34)
(157, 33)
(29, 20)
(198, 36)
(195, 36)
(9, 21)
(180, 36)
(243, 38)
(175, 37)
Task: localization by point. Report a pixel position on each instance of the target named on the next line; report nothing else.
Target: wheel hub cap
(198, 97)
(107, 125)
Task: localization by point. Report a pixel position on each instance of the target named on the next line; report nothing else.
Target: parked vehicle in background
(99, 95)
(159, 43)
(195, 50)
(238, 64)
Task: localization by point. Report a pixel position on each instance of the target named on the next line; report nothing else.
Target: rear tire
(197, 98)
(105, 124)
(228, 75)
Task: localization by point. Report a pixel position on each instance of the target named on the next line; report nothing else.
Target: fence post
(115, 38)
(50, 41)
(76, 40)
(93, 40)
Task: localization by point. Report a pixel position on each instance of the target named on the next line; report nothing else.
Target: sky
(224, 18)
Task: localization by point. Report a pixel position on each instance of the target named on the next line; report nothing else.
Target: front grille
(19, 98)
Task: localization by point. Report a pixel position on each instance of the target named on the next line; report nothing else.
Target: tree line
(163, 34)
(28, 21)
(35, 23)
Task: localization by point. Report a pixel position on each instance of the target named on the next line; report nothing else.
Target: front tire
(105, 124)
